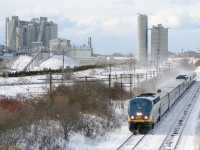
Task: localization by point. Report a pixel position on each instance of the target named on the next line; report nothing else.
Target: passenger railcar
(147, 109)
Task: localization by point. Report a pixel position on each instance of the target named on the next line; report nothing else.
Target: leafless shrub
(118, 92)
(67, 115)
(93, 126)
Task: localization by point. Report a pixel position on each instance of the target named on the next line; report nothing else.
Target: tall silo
(19, 38)
(159, 44)
(47, 36)
(11, 32)
(6, 30)
(154, 43)
(54, 31)
(31, 37)
(164, 44)
(142, 37)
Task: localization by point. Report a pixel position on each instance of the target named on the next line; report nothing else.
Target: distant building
(28, 34)
(159, 44)
(81, 54)
(142, 38)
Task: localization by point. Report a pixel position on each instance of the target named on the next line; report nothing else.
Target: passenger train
(147, 109)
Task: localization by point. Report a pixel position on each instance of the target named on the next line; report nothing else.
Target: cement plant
(38, 40)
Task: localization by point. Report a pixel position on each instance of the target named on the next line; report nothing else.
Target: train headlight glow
(146, 117)
(139, 114)
(132, 117)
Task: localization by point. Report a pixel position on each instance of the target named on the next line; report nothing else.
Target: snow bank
(56, 62)
(20, 62)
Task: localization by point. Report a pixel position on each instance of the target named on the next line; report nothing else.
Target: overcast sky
(111, 23)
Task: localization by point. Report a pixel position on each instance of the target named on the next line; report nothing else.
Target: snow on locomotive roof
(182, 77)
(147, 95)
(150, 96)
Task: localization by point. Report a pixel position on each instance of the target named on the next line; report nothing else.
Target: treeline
(47, 71)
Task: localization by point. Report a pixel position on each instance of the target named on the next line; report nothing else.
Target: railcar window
(139, 103)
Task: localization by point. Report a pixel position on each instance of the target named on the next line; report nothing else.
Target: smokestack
(89, 42)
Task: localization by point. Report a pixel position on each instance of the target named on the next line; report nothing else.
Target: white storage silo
(11, 32)
(154, 43)
(8, 32)
(31, 37)
(164, 44)
(54, 31)
(19, 37)
(47, 36)
(142, 37)
(159, 44)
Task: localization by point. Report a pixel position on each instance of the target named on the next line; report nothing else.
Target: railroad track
(172, 139)
(125, 142)
(132, 140)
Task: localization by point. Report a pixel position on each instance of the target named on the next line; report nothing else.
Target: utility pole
(158, 54)
(130, 85)
(151, 62)
(169, 65)
(63, 62)
(110, 68)
(134, 63)
(138, 82)
(50, 89)
(138, 76)
(109, 88)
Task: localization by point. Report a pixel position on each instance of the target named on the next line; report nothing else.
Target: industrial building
(21, 35)
(142, 37)
(159, 41)
(159, 44)
(83, 55)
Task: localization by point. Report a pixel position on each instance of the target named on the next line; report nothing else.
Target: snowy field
(113, 139)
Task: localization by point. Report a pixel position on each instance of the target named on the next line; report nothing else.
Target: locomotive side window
(156, 100)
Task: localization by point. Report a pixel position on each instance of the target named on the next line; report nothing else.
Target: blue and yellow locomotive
(144, 111)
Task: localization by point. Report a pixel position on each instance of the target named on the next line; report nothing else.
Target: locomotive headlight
(132, 117)
(145, 117)
(139, 114)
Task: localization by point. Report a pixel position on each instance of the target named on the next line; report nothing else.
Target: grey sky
(111, 23)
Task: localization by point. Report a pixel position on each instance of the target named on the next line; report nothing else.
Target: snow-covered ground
(113, 139)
